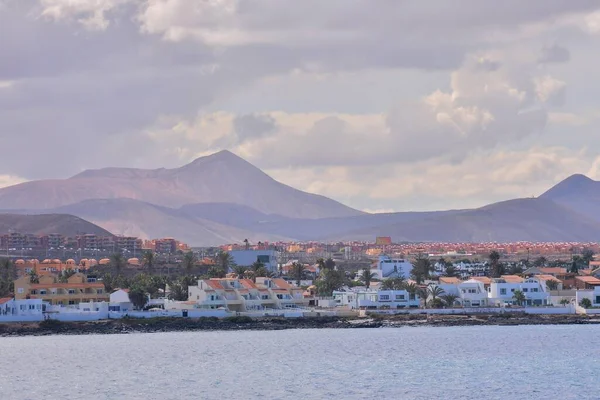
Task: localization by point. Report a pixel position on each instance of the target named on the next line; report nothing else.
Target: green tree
(422, 268)
(8, 274)
(450, 271)
(240, 271)
(148, 260)
(329, 281)
(321, 264)
(224, 261)
(118, 262)
(587, 255)
(449, 299)
(540, 261)
(412, 289)
(496, 267)
(585, 303)
(33, 277)
(109, 282)
(433, 292)
(297, 272)
(393, 284)
(189, 262)
(551, 284)
(367, 276)
(138, 297)
(575, 265)
(329, 263)
(519, 297)
(64, 276)
(178, 289)
(565, 302)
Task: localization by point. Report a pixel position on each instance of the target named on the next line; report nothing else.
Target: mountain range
(222, 198)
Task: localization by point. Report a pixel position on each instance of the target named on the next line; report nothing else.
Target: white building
(388, 267)
(248, 257)
(375, 299)
(10, 306)
(470, 293)
(119, 301)
(245, 295)
(502, 290)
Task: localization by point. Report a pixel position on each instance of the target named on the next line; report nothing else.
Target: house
(388, 267)
(77, 289)
(119, 301)
(360, 298)
(586, 282)
(501, 291)
(245, 295)
(248, 257)
(470, 293)
(10, 306)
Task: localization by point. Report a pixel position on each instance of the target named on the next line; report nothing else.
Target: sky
(387, 105)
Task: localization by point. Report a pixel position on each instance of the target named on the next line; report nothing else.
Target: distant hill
(578, 193)
(219, 178)
(63, 224)
(136, 218)
(223, 199)
(513, 220)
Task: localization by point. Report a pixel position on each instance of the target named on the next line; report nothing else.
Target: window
(265, 297)
(32, 307)
(502, 291)
(512, 290)
(43, 291)
(534, 289)
(384, 297)
(99, 291)
(71, 291)
(525, 290)
(280, 296)
(472, 291)
(263, 259)
(71, 302)
(20, 290)
(399, 297)
(34, 291)
(198, 297)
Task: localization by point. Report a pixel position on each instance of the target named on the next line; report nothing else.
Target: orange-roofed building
(586, 282)
(450, 280)
(76, 290)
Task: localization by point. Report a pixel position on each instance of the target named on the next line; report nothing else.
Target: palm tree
(148, 260)
(33, 277)
(393, 284)
(434, 292)
(540, 261)
(421, 268)
(412, 290)
(189, 262)
(297, 271)
(65, 275)
(367, 276)
(321, 264)
(117, 262)
(240, 271)
(449, 299)
(519, 297)
(564, 302)
(224, 261)
(247, 244)
(329, 263)
(552, 284)
(495, 266)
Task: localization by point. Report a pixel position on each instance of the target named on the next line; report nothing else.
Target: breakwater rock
(132, 325)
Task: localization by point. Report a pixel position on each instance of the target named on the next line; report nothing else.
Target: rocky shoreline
(127, 326)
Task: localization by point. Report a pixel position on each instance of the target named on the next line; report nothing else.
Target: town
(166, 278)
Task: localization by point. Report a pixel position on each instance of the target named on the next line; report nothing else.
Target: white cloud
(9, 180)
(92, 14)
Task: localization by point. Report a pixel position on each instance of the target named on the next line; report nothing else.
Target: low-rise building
(392, 267)
(375, 299)
(75, 290)
(269, 258)
(245, 295)
(502, 291)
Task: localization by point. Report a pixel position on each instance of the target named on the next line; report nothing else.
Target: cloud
(554, 54)
(9, 180)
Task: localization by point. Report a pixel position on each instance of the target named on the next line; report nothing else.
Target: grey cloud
(248, 127)
(554, 54)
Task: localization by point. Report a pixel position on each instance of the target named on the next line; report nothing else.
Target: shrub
(585, 303)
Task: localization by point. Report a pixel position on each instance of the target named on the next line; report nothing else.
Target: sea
(517, 362)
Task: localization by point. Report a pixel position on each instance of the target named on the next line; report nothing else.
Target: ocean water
(523, 362)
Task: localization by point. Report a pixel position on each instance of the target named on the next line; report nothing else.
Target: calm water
(525, 362)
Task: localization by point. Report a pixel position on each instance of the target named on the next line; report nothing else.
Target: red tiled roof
(247, 283)
(66, 285)
(214, 284)
(589, 279)
(281, 283)
(450, 280)
(4, 300)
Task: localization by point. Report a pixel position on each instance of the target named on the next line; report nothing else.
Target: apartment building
(245, 295)
(375, 299)
(76, 290)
